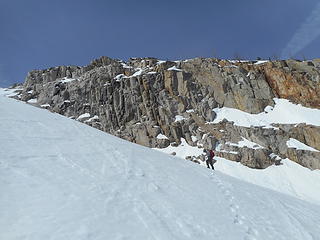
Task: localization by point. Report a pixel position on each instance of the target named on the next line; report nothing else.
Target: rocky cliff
(156, 103)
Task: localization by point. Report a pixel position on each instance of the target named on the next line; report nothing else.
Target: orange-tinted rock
(293, 80)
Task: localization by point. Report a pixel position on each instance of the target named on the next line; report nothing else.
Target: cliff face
(142, 98)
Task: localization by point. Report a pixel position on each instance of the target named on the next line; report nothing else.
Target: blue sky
(39, 34)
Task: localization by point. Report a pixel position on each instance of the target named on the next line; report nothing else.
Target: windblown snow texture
(61, 179)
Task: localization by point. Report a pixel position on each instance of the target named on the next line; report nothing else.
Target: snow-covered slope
(289, 177)
(61, 179)
(284, 112)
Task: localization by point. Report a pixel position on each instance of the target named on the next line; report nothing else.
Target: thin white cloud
(306, 33)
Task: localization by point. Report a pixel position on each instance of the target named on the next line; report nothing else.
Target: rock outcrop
(145, 98)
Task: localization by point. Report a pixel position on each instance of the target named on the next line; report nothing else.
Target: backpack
(211, 153)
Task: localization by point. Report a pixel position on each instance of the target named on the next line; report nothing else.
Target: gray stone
(139, 107)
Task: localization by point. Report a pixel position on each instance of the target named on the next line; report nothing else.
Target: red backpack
(211, 153)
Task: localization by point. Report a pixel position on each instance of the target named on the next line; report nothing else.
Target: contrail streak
(306, 33)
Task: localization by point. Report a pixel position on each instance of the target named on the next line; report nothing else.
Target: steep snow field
(61, 179)
(284, 112)
(289, 178)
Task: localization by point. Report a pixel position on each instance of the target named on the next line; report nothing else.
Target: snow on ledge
(174, 68)
(67, 80)
(284, 112)
(95, 117)
(152, 72)
(33, 100)
(160, 62)
(230, 152)
(236, 61)
(161, 136)
(85, 115)
(119, 77)
(190, 111)
(137, 73)
(245, 143)
(294, 143)
(179, 118)
(45, 105)
(261, 62)
(275, 156)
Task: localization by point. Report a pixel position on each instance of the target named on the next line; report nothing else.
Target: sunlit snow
(294, 143)
(245, 143)
(289, 178)
(33, 100)
(63, 180)
(84, 115)
(67, 80)
(161, 136)
(284, 112)
(174, 68)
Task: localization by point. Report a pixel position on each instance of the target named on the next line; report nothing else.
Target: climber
(209, 158)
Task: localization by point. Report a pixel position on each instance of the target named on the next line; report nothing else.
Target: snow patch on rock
(179, 118)
(174, 68)
(45, 105)
(82, 116)
(95, 117)
(284, 112)
(67, 80)
(161, 136)
(294, 143)
(33, 100)
(245, 143)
